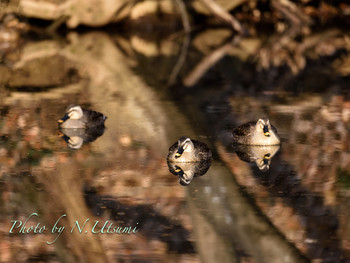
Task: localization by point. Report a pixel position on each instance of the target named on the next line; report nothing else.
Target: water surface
(295, 209)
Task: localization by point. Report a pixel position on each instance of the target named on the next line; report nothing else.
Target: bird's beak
(267, 157)
(178, 170)
(65, 117)
(266, 131)
(66, 138)
(179, 152)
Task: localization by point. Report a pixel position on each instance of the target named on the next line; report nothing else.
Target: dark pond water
(109, 195)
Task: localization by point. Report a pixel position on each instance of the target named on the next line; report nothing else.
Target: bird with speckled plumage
(78, 118)
(256, 133)
(187, 150)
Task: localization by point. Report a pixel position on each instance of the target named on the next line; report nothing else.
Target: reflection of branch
(184, 16)
(181, 60)
(223, 14)
(52, 29)
(186, 42)
(276, 52)
(294, 14)
(284, 49)
(208, 62)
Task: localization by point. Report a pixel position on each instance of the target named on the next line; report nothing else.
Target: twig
(294, 14)
(186, 42)
(223, 14)
(208, 62)
(181, 60)
(184, 16)
(56, 24)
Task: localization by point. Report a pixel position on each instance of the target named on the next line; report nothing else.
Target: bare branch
(208, 62)
(223, 14)
(184, 16)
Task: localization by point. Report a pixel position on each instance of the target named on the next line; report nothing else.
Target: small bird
(78, 118)
(187, 150)
(256, 133)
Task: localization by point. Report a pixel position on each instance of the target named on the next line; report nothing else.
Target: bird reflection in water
(187, 171)
(75, 138)
(79, 126)
(260, 155)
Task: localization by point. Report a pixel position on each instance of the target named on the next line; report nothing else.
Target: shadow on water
(148, 221)
(320, 221)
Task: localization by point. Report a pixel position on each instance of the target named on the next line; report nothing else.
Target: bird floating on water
(187, 150)
(78, 118)
(256, 133)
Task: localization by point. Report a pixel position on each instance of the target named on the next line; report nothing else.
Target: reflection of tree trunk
(132, 107)
(218, 198)
(222, 250)
(64, 186)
